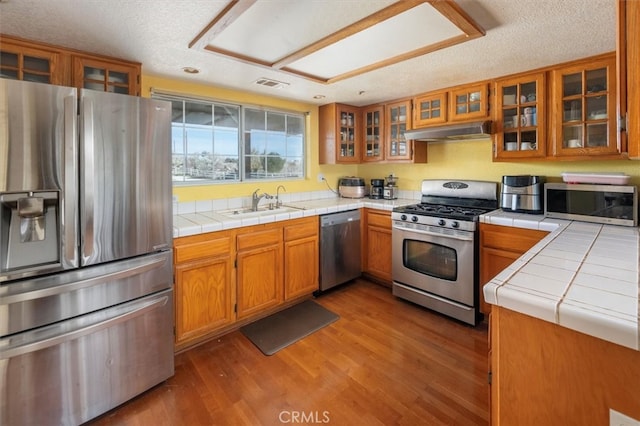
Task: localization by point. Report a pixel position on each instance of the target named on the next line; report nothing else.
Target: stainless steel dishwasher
(339, 248)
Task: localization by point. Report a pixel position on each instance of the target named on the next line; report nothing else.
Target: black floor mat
(283, 328)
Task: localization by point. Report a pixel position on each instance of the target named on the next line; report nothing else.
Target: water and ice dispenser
(29, 230)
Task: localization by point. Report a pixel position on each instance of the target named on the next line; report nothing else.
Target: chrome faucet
(278, 202)
(255, 199)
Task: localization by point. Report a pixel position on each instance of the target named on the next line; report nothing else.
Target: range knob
(414, 218)
(455, 224)
(403, 217)
(441, 222)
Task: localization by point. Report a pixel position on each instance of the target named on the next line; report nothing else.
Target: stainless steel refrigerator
(86, 272)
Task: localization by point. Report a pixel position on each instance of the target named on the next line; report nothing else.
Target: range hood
(474, 130)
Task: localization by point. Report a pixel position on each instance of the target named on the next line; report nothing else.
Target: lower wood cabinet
(259, 270)
(377, 244)
(224, 279)
(545, 374)
(301, 252)
(204, 295)
(500, 246)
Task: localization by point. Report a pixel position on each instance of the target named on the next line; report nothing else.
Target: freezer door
(75, 370)
(32, 303)
(125, 176)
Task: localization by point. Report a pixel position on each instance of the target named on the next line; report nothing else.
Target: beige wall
(451, 160)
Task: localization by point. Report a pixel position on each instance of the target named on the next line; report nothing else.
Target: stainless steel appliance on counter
(523, 193)
(435, 246)
(599, 203)
(339, 248)
(86, 271)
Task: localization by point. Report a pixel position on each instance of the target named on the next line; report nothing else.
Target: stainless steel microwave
(610, 204)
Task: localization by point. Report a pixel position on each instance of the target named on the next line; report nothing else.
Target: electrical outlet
(619, 419)
(320, 177)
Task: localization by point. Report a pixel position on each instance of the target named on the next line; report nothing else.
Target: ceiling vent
(274, 84)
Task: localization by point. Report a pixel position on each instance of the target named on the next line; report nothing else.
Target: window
(216, 142)
(273, 145)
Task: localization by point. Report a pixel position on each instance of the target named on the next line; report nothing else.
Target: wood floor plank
(384, 362)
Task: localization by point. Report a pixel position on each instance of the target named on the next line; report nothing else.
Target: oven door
(435, 260)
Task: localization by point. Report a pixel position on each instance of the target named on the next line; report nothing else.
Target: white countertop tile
(598, 324)
(528, 302)
(582, 276)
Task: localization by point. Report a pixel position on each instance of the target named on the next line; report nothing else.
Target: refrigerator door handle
(134, 310)
(70, 195)
(88, 184)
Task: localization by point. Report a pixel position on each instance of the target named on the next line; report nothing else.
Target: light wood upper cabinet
(584, 109)
(104, 75)
(430, 108)
(470, 102)
(398, 121)
(520, 117)
(22, 60)
(629, 73)
(33, 61)
(373, 143)
(339, 137)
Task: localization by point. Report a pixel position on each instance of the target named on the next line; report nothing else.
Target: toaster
(523, 193)
(351, 187)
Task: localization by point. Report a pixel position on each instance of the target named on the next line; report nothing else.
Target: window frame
(243, 176)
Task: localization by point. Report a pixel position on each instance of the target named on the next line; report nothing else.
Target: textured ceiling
(520, 35)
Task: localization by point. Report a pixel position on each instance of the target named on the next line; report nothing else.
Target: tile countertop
(185, 224)
(582, 276)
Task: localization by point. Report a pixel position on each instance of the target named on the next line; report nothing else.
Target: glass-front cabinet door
(373, 141)
(348, 135)
(105, 76)
(585, 109)
(430, 108)
(469, 102)
(398, 121)
(21, 62)
(519, 111)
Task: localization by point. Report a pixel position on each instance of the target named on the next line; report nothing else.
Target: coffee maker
(377, 189)
(522, 193)
(390, 190)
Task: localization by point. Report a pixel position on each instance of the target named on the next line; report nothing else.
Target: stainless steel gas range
(435, 246)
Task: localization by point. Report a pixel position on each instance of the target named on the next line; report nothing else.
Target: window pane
(295, 125)
(275, 122)
(254, 119)
(176, 111)
(226, 116)
(197, 113)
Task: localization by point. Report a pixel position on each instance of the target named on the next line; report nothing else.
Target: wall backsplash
(472, 160)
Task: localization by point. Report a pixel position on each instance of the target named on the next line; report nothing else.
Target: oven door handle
(467, 236)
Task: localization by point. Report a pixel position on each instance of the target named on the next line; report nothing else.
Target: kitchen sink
(263, 211)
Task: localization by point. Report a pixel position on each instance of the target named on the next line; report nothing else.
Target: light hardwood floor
(384, 362)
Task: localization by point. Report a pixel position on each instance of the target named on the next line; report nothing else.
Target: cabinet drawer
(301, 228)
(202, 246)
(259, 238)
(381, 219)
(509, 238)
